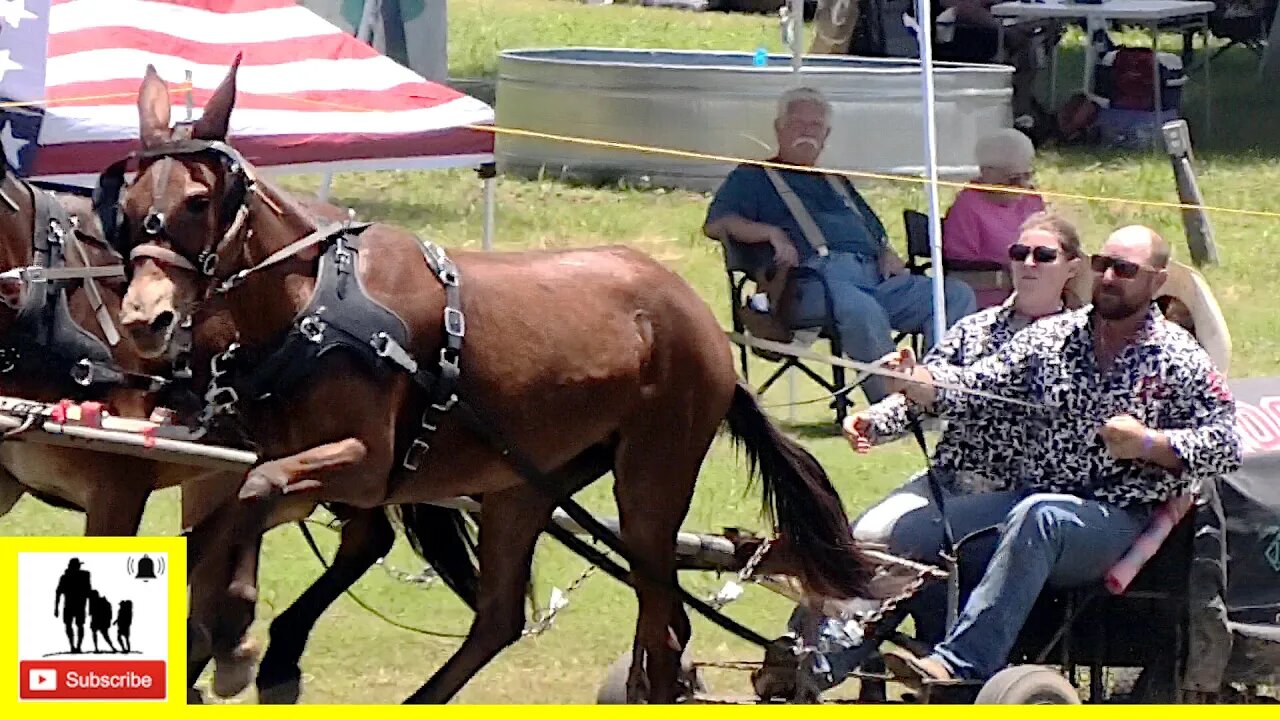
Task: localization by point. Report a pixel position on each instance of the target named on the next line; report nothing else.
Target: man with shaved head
(1128, 411)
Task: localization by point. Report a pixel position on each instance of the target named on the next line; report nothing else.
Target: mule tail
(800, 499)
(446, 539)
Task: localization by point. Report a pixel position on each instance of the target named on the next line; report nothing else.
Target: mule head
(181, 219)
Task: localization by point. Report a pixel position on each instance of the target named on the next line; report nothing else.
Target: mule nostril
(162, 321)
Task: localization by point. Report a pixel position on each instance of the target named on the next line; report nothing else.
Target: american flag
(310, 97)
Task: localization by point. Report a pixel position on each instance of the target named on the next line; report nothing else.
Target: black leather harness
(341, 316)
(45, 339)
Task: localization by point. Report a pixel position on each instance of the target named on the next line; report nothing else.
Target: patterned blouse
(969, 456)
(1164, 379)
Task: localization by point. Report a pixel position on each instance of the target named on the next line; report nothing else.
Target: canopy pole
(797, 35)
(924, 37)
(489, 173)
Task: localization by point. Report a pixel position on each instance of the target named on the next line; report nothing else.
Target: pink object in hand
(1146, 544)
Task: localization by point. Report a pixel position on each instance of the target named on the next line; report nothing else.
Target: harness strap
(321, 235)
(441, 389)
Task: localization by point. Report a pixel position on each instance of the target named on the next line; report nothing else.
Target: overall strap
(807, 225)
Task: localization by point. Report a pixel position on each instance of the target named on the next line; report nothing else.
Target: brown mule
(112, 490)
(574, 356)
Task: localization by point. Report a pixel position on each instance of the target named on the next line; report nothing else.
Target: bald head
(1140, 244)
(1129, 271)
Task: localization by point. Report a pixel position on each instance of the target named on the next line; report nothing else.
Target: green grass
(354, 657)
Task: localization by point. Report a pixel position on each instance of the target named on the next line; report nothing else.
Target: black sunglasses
(1126, 269)
(1044, 255)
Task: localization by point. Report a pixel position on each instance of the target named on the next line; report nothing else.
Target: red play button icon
(92, 680)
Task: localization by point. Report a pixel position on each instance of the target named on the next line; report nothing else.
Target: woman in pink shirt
(982, 224)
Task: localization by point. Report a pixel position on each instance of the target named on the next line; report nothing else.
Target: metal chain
(892, 602)
(889, 604)
(427, 577)
(542, 624)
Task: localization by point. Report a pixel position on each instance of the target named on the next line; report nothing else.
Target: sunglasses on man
(1124, 269)
(1042, 254)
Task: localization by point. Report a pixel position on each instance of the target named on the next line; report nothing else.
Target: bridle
(157, 243)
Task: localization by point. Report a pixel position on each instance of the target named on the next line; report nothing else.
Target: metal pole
(489, 173)
(797, 35)
(924, 36)
(371, 10)
(191, 98)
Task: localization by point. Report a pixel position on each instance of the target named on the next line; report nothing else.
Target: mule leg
(653, 490)
(11, 491)
(510, 522)
(116, 507)
(366, 536)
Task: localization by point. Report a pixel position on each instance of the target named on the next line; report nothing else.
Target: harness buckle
(413, 456)
(34, 274)
(389, 349)
(312, 328)
(454, 322)
(216, 365)
(208, 262)
(153, 223)
(449, 361)
(82, 372)
(214, 400)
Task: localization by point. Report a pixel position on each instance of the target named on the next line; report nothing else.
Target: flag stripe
(331, 46)
(120, 122)
(92, 158)
(217, 6)
(376, 73)
(411, 96)
(289, 20)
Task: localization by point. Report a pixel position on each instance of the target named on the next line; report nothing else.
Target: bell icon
(146, 569)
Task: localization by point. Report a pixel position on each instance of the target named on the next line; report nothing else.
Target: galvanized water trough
(719, 103)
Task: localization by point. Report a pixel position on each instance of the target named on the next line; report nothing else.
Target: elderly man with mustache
(828, 244)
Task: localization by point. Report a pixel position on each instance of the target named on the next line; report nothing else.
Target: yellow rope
(692, 155)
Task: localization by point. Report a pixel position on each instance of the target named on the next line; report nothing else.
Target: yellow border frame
(176, 705)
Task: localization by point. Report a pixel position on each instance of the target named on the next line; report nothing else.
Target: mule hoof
(231, 675)
(282, 693)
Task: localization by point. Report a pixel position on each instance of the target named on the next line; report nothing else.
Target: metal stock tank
(720, 103)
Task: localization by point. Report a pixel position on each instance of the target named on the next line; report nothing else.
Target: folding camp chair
(744, 261)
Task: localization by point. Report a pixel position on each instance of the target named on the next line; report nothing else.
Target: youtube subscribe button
(92, 680)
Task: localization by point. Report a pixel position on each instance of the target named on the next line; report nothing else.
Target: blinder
(108, 198)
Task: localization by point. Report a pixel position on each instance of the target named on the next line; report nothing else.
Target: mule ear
(216, 120)
(153, 109)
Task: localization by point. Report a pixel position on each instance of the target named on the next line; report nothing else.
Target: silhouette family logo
(92, 626)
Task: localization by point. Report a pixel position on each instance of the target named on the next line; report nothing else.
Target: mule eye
(197, 204)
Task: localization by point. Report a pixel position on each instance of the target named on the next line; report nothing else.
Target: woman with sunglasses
(973, 464)
(983, 222)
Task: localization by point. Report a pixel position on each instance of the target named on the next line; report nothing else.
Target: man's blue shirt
(747, 192)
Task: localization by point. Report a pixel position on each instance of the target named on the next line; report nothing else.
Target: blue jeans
(907, 521)
(1049, 539)
(866, 309)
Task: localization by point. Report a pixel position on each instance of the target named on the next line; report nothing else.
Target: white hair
(803, 94)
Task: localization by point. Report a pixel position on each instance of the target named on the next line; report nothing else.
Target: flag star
(15, 11)
(7, 64)
(12, 145)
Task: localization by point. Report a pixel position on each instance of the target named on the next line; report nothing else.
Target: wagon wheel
(613, 691)
(1028, 685)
